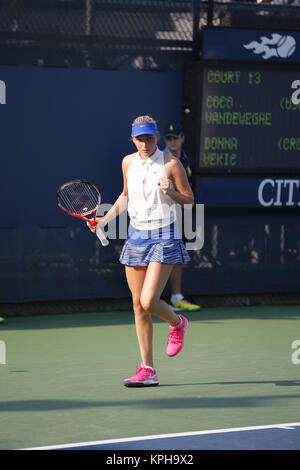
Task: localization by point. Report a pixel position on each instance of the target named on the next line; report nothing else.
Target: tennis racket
(81, 198)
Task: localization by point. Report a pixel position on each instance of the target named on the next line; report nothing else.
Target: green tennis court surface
(62, 381)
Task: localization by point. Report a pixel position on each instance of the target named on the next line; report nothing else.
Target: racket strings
(79, 198)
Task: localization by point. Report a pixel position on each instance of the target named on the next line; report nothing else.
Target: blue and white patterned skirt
(138, 251)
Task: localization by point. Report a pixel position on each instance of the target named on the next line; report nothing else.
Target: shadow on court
(206, 315)
(155, 404)
(279, 383)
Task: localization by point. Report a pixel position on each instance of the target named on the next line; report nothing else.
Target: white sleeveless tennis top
(148, 206)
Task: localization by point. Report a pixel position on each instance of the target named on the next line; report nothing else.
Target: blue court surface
(272, 437)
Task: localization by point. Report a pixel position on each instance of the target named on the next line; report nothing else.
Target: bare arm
(182, 194)
(121, 203)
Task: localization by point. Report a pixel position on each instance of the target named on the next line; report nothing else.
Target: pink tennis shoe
(176, 337)
(144, 377)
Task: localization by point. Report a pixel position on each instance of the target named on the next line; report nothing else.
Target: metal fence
(131, 34)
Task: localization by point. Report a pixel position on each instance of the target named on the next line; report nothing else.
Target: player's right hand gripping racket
(81, 198)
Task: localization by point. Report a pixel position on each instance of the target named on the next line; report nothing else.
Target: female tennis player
(154, 182)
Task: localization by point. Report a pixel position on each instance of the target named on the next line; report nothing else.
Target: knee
(148, 303)
(138, 308)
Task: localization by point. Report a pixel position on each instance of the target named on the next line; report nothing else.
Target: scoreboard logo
(275, 46)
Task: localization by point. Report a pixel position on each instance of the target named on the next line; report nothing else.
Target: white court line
(164, 436)
(286, 427)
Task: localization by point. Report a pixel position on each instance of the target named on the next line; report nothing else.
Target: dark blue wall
(56, 125)
(59, 124)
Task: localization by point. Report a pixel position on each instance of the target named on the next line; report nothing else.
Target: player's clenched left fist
(165, 184)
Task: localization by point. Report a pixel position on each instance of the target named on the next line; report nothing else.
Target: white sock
(148, 367)
(176, 297)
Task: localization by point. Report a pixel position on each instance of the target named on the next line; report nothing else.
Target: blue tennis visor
(143, 128)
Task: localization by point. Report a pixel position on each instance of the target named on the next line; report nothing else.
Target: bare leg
(175, 279)
(156, 278)
(143, 321)
(146, 285)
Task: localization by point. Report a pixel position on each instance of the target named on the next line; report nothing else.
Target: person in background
(174, 140)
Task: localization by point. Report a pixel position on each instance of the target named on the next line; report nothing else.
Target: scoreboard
(243, 117)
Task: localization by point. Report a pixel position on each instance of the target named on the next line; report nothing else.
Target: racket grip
(100, 234)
